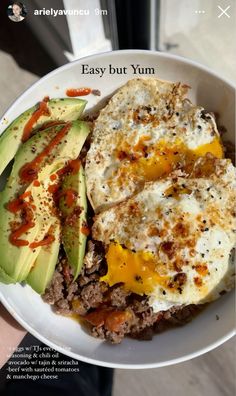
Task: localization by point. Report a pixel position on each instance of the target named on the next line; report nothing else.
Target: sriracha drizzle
(42, 109)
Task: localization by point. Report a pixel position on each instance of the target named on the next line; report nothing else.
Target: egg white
(178, 120)
(207, 211)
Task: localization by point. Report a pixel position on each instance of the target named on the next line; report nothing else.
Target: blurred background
(202, 30)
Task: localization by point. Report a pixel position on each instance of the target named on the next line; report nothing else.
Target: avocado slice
(67, 109)
(43, 220)
(69, 149)
(17, 261)
(42, 271)
(4, 278)
(74, 241)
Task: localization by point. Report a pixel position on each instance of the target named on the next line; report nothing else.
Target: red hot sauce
(42, 109)
(29, 171)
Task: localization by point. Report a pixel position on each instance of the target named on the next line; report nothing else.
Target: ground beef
(62, 307)
(62, 289)
(112, 336)
(92, 294)
(118, 297)
(84, 279)
(145, 319)
(72, 290)
(55, 290)
(176, 316)
(138, 303)
(89, 297)
(146, 334)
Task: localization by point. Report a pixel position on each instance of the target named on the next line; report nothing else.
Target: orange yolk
(215, 148)
(135, 269)
(164, 159)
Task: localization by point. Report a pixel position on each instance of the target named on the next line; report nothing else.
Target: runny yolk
(164, 159)
(135, 269)
(214, 147)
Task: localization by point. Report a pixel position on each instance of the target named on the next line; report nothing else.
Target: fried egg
(147, 130)
(173, 241)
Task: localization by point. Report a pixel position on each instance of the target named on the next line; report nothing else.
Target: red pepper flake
(72, 167)
(70, 196)
(53, 188)
(26, 194)
(198, 281)
(53, 177)
(201, 269)
(71, 219)
(72, 92)
(62, 171)
(85, 229)
(36, 183)
(46, 99)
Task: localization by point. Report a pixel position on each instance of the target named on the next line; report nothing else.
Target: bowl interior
(216, 323)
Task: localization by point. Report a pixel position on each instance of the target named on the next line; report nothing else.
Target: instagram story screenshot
(117, 197)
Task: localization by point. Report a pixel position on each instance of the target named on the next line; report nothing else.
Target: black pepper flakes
(138, 278)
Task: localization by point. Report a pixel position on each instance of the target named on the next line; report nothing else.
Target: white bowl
(65, 335)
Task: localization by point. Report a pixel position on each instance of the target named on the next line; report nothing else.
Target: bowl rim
(7, 304)
(79, 357)
(115, 53)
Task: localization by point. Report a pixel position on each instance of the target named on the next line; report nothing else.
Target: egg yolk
(164, 158)
(137, 270)
(214, 147)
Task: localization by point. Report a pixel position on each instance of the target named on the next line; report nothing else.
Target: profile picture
(16, 11)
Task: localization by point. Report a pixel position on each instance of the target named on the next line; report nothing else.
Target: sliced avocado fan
(16, 262)
(67, 109)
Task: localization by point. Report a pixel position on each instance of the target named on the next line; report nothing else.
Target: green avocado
(4, 278)
(67, 150)
(16, 261)
(44, 266)
(59, 109)
(74, 241)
